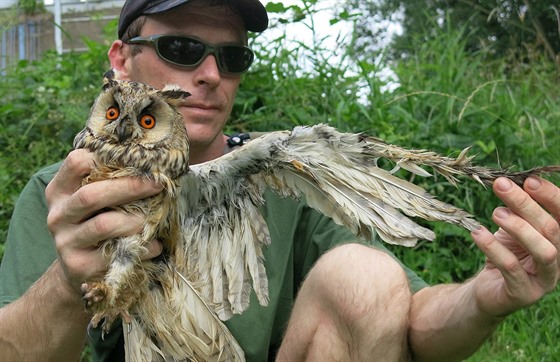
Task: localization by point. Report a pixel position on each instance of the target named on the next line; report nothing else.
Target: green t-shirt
(299, 236)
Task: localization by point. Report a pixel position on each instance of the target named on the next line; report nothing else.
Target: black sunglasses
(190, 52)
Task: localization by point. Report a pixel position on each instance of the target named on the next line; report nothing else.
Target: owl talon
(95, 320)
(94, 293)
(108, 317)
(126, 317)
(106, 306)
(128, 328)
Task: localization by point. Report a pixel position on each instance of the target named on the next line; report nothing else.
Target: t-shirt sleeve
(29, 248)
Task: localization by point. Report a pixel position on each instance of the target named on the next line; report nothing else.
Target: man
(355, 302)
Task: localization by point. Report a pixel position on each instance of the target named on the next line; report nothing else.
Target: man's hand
(80, 222)
(523, 255)
(450, 322)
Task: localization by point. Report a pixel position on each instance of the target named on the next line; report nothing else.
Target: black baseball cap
(252, 12)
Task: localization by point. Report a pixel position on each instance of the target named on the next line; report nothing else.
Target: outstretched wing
(224, 233)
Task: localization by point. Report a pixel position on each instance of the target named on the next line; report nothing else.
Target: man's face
(207, 109)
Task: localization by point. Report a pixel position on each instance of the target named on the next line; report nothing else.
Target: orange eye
(147, 121)
(112, 113)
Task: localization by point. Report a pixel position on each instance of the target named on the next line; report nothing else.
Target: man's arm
(48, 323)
(450, 322)
(445, 324)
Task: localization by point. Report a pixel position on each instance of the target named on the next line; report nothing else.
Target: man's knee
(355, 302)
(356, 280)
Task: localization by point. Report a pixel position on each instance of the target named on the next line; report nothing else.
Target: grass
(531, 334)
(446, 100)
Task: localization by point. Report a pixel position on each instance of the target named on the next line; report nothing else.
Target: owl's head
(134, 113)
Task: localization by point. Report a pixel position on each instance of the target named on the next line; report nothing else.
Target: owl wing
(224, 233)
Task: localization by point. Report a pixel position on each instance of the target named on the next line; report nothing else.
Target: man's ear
(118, 55)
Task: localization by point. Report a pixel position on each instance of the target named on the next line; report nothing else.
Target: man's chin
(201, 135)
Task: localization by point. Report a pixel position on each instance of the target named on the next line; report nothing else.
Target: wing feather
(187, 327)
(338, 175)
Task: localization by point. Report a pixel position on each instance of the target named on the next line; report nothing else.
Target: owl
(135, 130)
(208, 219)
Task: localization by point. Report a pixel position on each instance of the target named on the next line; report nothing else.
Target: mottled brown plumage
(131, 131)
(208, 219)
(135, 130)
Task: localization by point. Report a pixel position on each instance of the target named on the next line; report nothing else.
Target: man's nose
(208, 72)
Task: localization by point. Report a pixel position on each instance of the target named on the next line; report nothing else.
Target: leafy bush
(44, 104)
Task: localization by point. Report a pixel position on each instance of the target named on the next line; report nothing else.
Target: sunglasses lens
(235, 59)
(189, 52)
(181, 50)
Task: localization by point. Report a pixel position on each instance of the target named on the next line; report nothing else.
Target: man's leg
(353, 306)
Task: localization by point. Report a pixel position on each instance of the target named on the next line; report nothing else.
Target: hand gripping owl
(208, 220)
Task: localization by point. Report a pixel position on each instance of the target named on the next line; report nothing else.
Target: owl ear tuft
(109, 79)
(174, 92)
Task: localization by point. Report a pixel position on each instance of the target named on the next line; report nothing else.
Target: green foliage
(446, 99)
(514, 28)
(31, 7)
(529, 335)
(8, 18)
(295, 83)
(44, 104)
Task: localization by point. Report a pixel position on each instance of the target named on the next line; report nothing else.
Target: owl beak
(124, 130)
